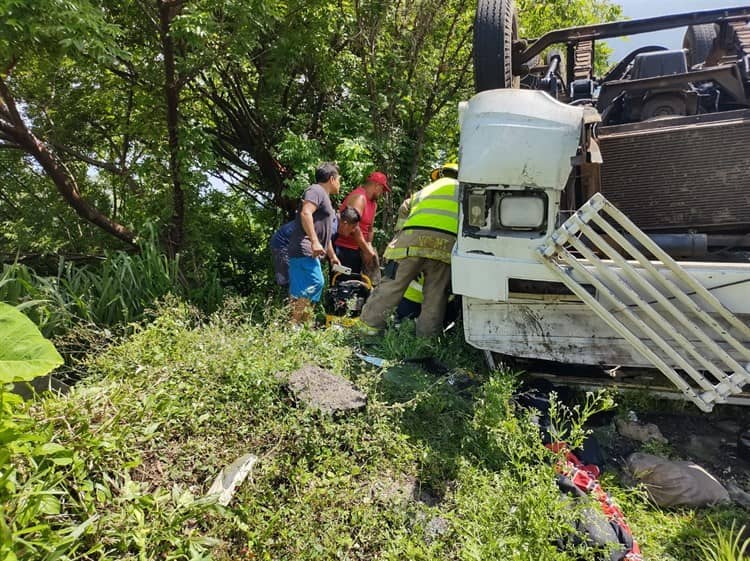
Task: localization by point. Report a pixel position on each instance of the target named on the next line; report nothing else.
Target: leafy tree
(35, 38)
(386, 76)
(102, 109)
(127, 108)
(537, 17)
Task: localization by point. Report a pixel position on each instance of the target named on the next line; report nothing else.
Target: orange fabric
(586, 478)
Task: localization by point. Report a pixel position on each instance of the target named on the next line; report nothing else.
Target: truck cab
(640, 264)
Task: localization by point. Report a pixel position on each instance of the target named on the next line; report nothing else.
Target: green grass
(726, 544)
(118, 468)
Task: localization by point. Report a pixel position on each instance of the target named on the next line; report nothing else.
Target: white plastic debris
(375, 361)
(231, 477)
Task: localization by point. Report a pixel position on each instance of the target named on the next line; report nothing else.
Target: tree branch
(18, 133)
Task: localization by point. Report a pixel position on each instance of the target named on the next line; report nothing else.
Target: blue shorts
(306, 278)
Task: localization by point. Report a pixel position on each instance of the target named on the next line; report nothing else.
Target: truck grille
(682, 173)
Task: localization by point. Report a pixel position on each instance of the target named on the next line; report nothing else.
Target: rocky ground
(709, 440)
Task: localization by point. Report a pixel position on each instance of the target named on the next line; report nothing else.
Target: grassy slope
(165, 410)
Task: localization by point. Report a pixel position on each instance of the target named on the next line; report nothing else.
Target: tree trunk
(172, 87)
(240, 128)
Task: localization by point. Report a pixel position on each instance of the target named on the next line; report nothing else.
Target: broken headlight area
(490, 212)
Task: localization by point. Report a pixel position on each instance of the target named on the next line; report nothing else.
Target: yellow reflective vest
(428, 223)
(435, 207)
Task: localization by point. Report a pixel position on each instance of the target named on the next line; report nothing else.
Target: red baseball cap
(379, 178)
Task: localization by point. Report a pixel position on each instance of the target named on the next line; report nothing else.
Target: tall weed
(725, 544)
(116, 291)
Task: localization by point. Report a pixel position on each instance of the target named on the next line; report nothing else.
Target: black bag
(346, 297)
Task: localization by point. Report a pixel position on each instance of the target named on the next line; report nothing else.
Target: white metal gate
(661, 310)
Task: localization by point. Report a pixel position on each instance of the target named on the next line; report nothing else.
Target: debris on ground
(231, 477)
(676, 483)
(642, 432)
(369, 359)
(712, 441)
(321, 389)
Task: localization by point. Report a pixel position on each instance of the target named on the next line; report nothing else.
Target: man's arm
(308, 225)
(368, 252)
(332, 257)
(358, 202)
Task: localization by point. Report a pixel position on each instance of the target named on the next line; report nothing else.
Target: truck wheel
(698, 41)
(495, 30)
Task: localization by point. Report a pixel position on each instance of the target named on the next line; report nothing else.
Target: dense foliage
(113, 292)
(431, 469)
(147, 151)
(117, 115)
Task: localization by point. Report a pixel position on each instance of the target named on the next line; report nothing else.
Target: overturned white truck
(547, 276)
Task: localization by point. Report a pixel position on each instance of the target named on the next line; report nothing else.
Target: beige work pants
(437, 278)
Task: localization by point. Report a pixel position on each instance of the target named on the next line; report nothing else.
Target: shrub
(116, 291)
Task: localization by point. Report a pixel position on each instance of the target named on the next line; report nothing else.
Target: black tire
(495, 30)
(698, 41)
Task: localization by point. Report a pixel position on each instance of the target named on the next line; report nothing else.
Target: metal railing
(654, 302)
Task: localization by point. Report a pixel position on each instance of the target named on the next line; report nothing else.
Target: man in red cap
(357, 249)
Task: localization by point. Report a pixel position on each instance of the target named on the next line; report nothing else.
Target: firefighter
(426, 231)
(411, 304)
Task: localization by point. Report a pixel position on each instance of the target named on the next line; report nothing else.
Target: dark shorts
(351, 258)
(281, 266)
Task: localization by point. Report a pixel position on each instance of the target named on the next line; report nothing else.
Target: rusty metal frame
(620, 28)
(727, 76)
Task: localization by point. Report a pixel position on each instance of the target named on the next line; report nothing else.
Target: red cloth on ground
(586, 478)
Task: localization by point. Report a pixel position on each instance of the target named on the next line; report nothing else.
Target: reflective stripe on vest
(413, 292)
(435, 207)
(424, 252)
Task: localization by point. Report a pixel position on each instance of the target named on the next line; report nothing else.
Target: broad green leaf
(49, 448)
(24, 353)
(7, 434)
(49, 505)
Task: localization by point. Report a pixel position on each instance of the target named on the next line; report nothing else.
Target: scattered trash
(375, 361)
(602, 523)
(231, 477)
(461, 379)
(642, 432)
